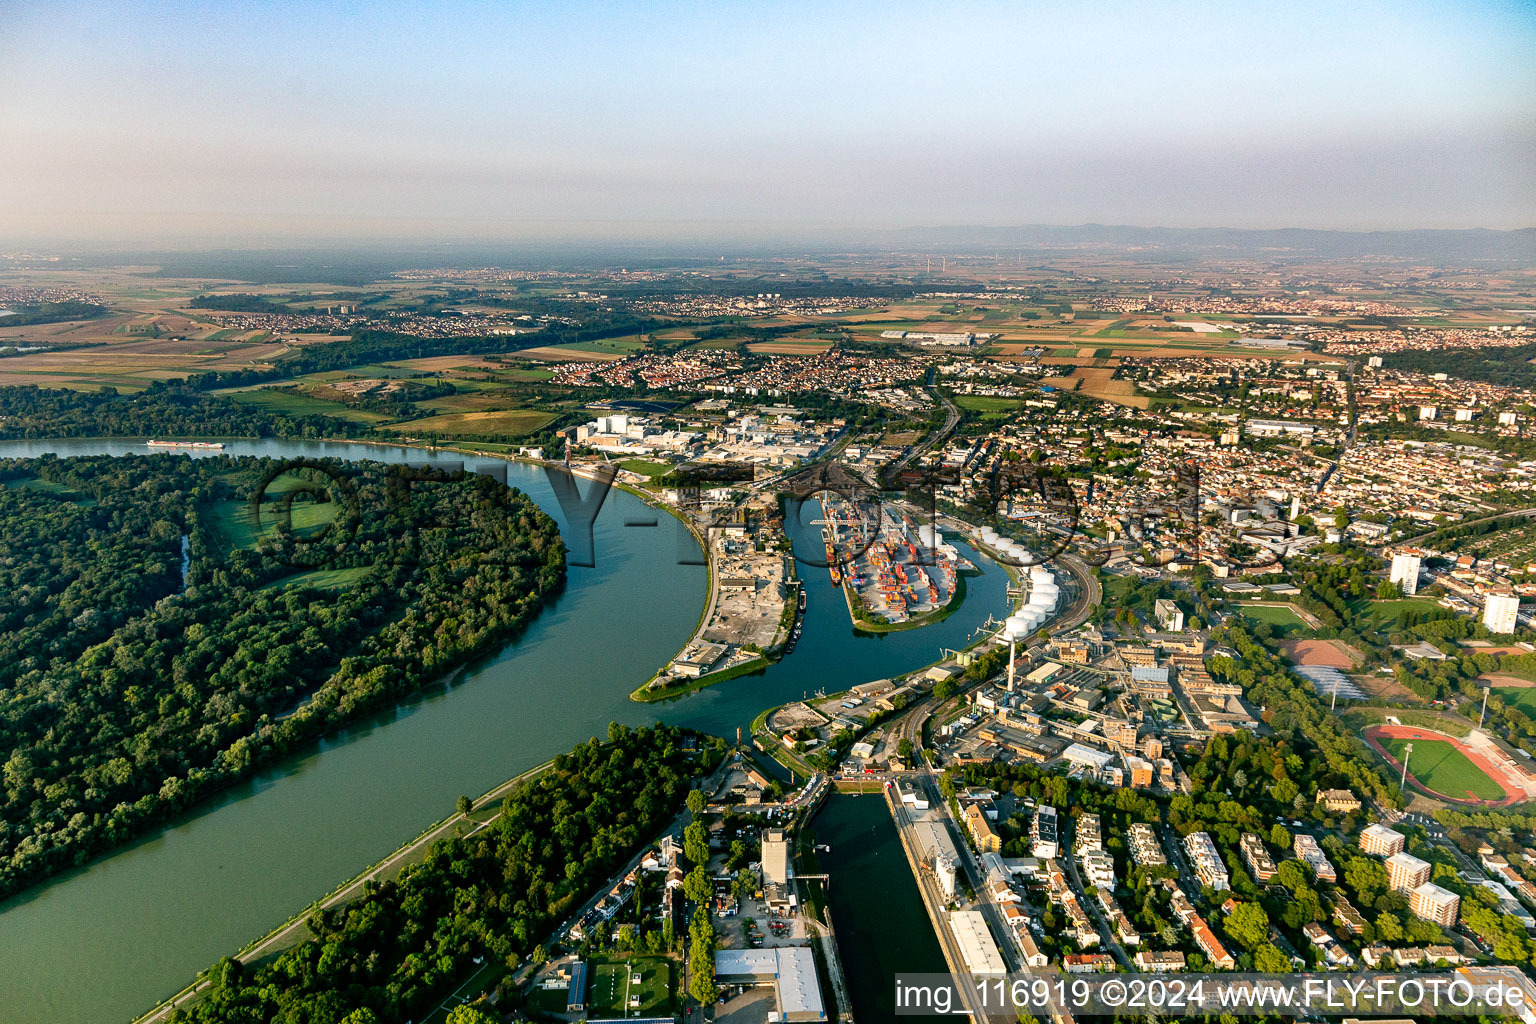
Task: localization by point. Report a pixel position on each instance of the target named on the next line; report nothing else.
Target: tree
(701, 958)
(1280, 836)
(464, 804)
(465, 1014)
(698, 886)
(1267, 959)
(1248, 925)
(697, 802)
(696, 843)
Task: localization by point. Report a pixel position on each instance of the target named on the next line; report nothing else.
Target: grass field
(1443, 768)
(321, 579)
(239, 528)
(1282, 620)
(1522, 697)
(615, 995)
(297, 403)
(986, 403)
(476, 424)
(619, 346)
(1384, 613)
(645, 467)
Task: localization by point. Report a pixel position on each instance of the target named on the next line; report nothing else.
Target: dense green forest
(164, 410)
(128, 692)
(399, 951)
(1508, 366)
(239, 302)
(26, 314)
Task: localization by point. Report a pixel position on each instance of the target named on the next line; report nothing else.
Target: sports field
(1278, 617)
(616, 994)
(1522, 697)
(1441, 768)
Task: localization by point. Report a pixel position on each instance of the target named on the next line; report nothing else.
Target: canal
(877, 911)
(107, 941)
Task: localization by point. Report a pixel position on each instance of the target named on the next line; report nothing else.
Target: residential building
(1380, 841)
(1043, 833)
(1501, 612)
(1161, 962)
(1087, 834)
(1099, 868)
(1433, 903)
(1256, 857)
(982, 834)
(1405, 571)
(1405, 872)
(1145, 849)
(1307, 849)
(1207, 860)
(1210, 945)
(1168, 615)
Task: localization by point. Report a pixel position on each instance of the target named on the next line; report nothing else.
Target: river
(105, 942)
(877, 911)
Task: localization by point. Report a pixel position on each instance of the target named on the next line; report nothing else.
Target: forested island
(162, 410)
(404, 947)
(172, 624)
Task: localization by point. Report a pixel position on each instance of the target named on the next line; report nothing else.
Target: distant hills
(1456, 246)
(352, 262)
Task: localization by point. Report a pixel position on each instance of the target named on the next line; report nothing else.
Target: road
(934, 900)
(1074, 879)
(951, 419)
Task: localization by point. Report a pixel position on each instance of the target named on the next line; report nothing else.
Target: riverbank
(296, 929)
(201, 888)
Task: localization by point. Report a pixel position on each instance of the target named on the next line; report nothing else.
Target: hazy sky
(148, 122)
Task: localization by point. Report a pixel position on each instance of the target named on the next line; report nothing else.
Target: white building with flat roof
(977, 947)
(1405, 571)
(1381, 841)
(1501, 612)
(790, 970)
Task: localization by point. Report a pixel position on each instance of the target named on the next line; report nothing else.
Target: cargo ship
(184, 444)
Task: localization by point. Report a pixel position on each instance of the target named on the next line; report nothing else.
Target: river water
(877, 911)
(107, 941)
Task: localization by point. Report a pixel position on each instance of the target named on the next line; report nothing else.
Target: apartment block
(1380, 841)
(1256, 857)
(1405, 872)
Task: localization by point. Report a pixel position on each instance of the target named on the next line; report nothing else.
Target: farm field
(473, 424)
(1443, 769)
(566, 354)
(791, 347)
(986, 403)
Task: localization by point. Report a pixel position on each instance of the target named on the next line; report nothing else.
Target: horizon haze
(164, 125)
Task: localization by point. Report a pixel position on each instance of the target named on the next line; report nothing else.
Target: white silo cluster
(930, 537)
(1043, 596)
(1005, 546)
